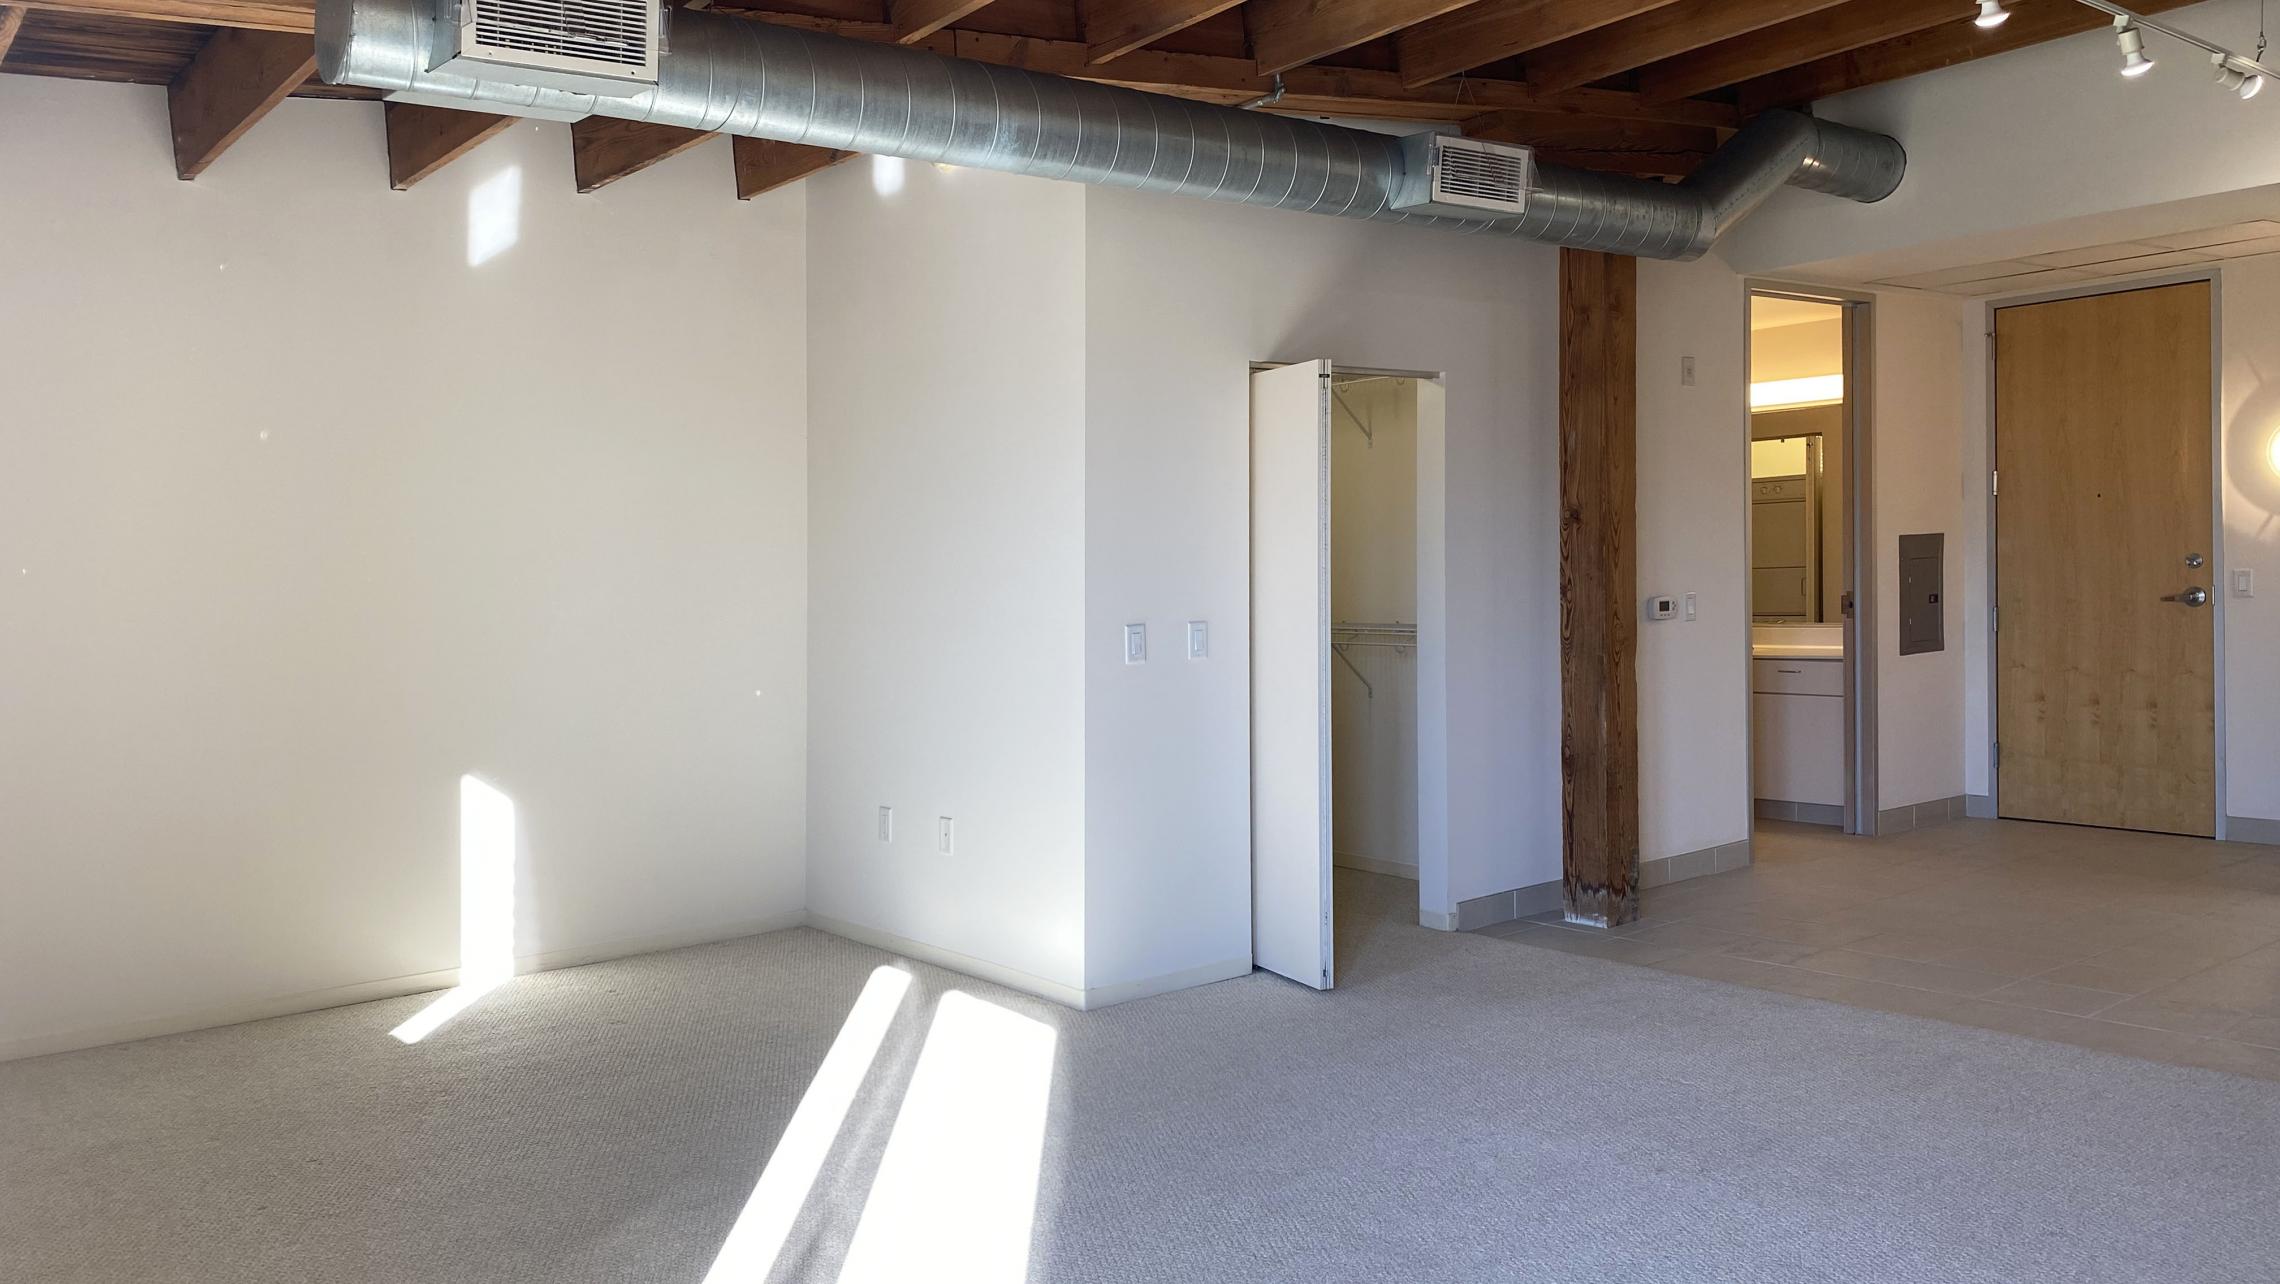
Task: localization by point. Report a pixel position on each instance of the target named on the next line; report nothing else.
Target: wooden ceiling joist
(915, 20)
(2032, 22)
(1665, 32)
(250, 15)
(422, 140)
(11, 22)
(1117, 27)
(1497, 29)
(1291, 33)
(763, 165)
(604, 149)
(1852, 25)
(233, 82)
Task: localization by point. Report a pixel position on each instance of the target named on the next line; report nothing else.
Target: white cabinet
(1797, 749)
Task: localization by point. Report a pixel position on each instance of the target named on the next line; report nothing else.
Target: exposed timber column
(1599, 718)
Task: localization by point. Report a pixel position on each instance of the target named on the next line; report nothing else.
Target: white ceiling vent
(1448, 174)
(606, 47)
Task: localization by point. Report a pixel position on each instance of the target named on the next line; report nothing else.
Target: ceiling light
(2247, 84)
(2132, 42)
(1991, 14)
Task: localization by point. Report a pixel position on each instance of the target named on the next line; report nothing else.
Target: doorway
(1346, 658)
(2105, 619)
(1807, 476)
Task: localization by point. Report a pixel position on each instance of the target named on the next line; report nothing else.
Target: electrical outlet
(947, 840)
(886, 824)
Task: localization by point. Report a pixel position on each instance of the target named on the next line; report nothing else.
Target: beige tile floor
(2148, 945)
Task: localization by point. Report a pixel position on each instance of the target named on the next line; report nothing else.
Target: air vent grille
(1471, 173)
(619, 32)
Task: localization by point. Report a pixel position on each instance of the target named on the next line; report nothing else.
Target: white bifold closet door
(1290, 672)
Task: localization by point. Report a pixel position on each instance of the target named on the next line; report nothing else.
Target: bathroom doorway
(1807, 471)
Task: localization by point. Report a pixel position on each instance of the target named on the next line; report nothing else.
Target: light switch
(947, 842)
(1135, 644)
(1686, 372)
(1690, 606)
(2244, 582)
(1199, 639)
(886, 824)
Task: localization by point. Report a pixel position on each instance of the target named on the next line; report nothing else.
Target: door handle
(2194, 596)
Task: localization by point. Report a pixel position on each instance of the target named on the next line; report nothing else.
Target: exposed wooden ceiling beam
(1662, 33)
(251, 15)
(2032, 22)
(1289, 33)
(11, 22)
(915, 20)
(422, 140)
(1498, 29)
(1115, 27)
(1352, 91)
(1649, 149)
(604, 149)
(233, 82)
(763, 165)
(1852, 25)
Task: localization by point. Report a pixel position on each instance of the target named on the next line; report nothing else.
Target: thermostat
(1661, 608)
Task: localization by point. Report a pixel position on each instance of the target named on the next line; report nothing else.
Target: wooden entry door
(2105, 657)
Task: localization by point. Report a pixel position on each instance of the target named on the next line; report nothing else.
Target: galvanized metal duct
(742, 77)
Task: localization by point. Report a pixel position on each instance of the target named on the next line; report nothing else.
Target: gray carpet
(1461, 1109)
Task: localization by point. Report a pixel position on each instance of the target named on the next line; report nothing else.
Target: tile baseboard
(1899, 820)
(1803, 813)
(1543, 898)
(1979, 806)
(2252, 829)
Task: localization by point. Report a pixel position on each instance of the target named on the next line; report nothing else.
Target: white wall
(302, 517)
(1919, 416)
(1183, 295)
(2043, 133)
(1373, 580)
(1693, 498)
(2250, 399)
(947, 487)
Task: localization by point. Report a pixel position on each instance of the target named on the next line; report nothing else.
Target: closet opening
(1347, 658)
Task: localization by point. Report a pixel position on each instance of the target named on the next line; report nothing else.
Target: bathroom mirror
(1796, 542)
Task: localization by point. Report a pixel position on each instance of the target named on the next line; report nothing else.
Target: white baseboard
(1009, 977)
(95, 1036)
(1372, 865)
(1101, 996)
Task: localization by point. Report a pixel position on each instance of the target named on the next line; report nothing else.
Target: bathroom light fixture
(2132, 42)
(2247, 84)
(1991, 14)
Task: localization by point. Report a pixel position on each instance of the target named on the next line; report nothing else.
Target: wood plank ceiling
(1644, 87)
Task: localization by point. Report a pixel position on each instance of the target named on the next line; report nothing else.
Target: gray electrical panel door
(1922, 625)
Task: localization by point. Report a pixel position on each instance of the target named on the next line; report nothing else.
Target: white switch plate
(1686, 372)
(2244, 582)
(1199, 639)
(886, 824)
(947, 840)
(1135, 644)
(1690, 606)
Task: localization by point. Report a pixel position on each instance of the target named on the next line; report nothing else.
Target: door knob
(2194, 596)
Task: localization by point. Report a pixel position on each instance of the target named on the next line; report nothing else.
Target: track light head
(1991, 14)
(2132, 42)
(2237, 80)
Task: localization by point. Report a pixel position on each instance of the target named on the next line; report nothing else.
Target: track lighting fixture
(2247, 84)
(1991, 14)
(2132, 42)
